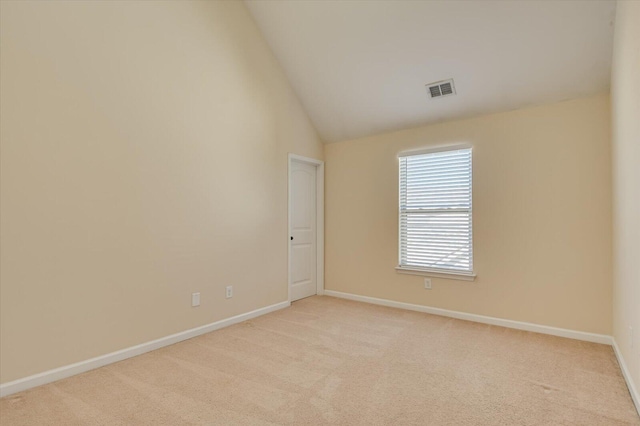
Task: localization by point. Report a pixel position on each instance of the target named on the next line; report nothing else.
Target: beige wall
(541, 216)
(143, 157)
(625, 103)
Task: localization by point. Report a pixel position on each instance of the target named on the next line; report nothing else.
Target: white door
(303, 230)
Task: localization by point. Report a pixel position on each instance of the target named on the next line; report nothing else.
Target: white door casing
(306, 251)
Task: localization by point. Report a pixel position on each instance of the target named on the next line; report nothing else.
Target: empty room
(319, 212)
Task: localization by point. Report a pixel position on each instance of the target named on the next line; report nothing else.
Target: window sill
(436, 274)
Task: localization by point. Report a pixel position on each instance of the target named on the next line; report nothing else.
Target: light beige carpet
(332, 361)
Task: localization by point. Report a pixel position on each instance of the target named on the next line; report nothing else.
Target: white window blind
(435, 211)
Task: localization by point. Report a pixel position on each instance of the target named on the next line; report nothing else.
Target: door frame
(319, 165)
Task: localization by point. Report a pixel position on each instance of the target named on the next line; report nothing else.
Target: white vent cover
(441, 89)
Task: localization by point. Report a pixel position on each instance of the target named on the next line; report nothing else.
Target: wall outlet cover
(195, 299)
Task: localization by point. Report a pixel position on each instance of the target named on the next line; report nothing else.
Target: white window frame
(432, 272)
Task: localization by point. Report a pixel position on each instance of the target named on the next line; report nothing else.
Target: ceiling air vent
(442, 88)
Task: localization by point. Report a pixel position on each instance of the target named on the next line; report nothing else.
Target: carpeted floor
(332, 361)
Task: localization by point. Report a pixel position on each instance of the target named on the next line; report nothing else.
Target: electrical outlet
(229, 291)
(427, 283)
(195, 299)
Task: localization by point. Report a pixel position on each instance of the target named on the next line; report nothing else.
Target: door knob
(291, 238)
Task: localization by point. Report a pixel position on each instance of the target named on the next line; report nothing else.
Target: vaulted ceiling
(360, 67)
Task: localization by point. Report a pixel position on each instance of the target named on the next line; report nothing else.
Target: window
(435, 211)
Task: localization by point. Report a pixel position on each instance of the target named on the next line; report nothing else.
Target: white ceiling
(359, 67)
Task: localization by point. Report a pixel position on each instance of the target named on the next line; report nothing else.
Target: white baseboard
(627, 376)
(536, 328)
(100, 361)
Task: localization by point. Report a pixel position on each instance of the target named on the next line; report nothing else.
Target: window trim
(434, 149)
(414, 270)
(434, 272)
